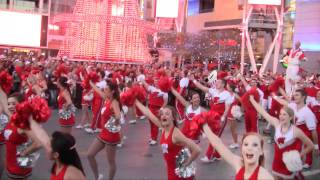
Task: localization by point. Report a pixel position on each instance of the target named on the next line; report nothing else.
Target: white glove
(292, 160)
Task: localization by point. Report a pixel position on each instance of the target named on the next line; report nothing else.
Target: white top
(304, 115)
(141, 77)
(102, 84)
(288, 137)
(224, 96)
(190, 113)
(153, 89)
(184, 82)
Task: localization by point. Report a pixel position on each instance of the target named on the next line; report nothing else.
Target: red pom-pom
(40, 109)
(6, 81)
(140, 93)
(278, 83)
(311, 91)
(245, 98)
(214, 121)
(21, 117)
(127, 98)
(196, 126)
(149, 80)
(92, 76)
(61, 70)
(161, 73)
(165, 84)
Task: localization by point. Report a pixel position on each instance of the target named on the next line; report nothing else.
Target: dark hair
(232, 87)
(303, 93)
(17, 96)
(63, 82)
(261, 158)
(102, 73)
(64, 144)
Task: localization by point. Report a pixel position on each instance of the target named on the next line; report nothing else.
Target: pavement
(137, 160)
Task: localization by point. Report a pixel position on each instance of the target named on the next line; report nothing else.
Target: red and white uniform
(284, 142)
(218, 104)
(97, 106)
(182, 89)
(157, 99)
(190, 113)
(13, 140)
(315, 107)
(295, 56)
(105, 135)
(306, 121)
(170, 151)
(3, 123)
(86, 92)
(64, 122)
(251, 115)
(235, 102)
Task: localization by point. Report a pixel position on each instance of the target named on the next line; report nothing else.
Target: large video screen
(167, 8)
(266, 2)
(20, 29)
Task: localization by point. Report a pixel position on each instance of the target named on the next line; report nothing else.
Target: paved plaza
(139, 161)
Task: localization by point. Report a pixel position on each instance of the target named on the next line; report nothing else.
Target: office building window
(206, 6)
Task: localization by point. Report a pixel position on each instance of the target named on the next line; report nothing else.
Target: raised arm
(148, 113)
(272, 120)
(184, 102)
(279, 100)
(244, 81)
(226, 154)
(40, 134)
(199, 85)
(96, 89)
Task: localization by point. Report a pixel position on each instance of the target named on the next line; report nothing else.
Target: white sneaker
(89, 130)
(97, 130)
(86, 125)
(142, 117)
(120, 145)
(133, 121)
(306, 166)
(234, 146)
(79, 126)
(152, 142)
(100, 177)
(205, 159)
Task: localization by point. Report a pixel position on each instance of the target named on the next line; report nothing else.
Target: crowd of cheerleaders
(110, 88)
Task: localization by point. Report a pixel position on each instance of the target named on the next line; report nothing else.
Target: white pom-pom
(125, 110)
(88, 97)
(236, 112)
(292, 160)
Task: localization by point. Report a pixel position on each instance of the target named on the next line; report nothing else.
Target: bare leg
(233, 128)
(94, 148)
(111, 154)
(66, 129)
(2, 159)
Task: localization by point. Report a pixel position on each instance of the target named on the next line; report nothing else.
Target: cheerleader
(106, 138)
(220, 103)
(60, 148)
(304, 119)
(86, 100)
(192, 109)
(65, 106)
(15, 137)
(231, 117)
(172, 139)
(287, 138)
(250, 115)
(250, 164)
(315, 107)
(157, 100)
(182, 89)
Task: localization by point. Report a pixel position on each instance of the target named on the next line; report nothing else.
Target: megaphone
(213, 76)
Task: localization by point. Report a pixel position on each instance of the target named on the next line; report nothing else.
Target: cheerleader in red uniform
(304, 119)
(65, 106)
(315, 107)
(192, 109)
(106, 138)
(182, 89)
(15, 137)
(172, 139)
(220, 103)
(247, 166)
(287, 138)
(157, 100)
(87, 96)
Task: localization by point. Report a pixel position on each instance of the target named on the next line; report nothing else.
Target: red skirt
(67, 122)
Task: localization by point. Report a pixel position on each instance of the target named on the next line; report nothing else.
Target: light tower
(249, 23)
